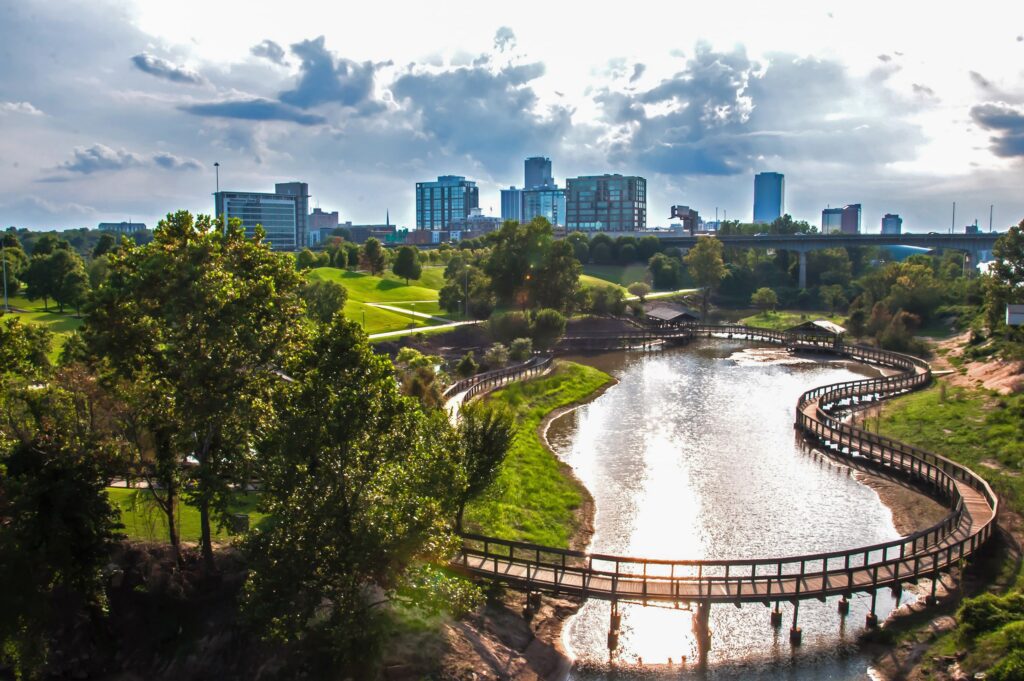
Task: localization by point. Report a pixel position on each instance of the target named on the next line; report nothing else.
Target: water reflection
(693, 455)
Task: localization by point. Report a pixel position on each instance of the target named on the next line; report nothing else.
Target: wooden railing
(819, 416)
(488, 380)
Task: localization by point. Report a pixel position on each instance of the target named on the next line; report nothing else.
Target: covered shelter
(666, 314)
(817, 333)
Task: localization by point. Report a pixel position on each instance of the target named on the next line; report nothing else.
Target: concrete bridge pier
(614, 626)
(872, 619)
(777, 616)
(844, 606)
(803, 269)
(701, 629)
(932, 599)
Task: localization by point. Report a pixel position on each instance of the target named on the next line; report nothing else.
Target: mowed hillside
(418, 296)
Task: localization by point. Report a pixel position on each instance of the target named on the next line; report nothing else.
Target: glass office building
(769, 197)
(438, 202)
(282, 215)
(547, 202)
(606, 203)
(512, 204)
(892, 224)
(831, 220)
(537, 172)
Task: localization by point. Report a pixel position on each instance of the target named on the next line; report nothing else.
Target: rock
(942, 625)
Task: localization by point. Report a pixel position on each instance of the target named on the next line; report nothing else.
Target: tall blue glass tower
(769, 196)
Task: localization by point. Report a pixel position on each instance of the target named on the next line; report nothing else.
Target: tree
(24, 348)
(505, 327)
(39, 279)
(193, 329)
(519, 249)
(580, 246)
(361, 485)
(647, 247)
(601, 253)
(1005, 281)
(834, 296)
(352, 256)
(546, 328)
(324, 299)
(407, 264)
(17, 263)
(639, 289)
(374, 258)
(305, 259)
(105, 244)
(664, 271)
(554, 284)
(626, 253)
(485, 434)
(764, 299)
(56, 522)
(704, 262)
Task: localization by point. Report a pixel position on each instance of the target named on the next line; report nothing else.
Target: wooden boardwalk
(819, 415)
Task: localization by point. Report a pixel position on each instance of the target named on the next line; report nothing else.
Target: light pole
(224, 226)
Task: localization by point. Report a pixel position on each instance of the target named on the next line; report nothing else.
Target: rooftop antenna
(952, 225)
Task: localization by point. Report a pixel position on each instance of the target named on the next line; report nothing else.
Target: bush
(988, 612)
(627, 254)
(521, 349)
(547, 328)
(1010, 668)
(607, 300)
(601, 253)
(505, 327)
(467, 366)
(496, 356)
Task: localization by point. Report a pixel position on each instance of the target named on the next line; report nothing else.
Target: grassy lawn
(534, 499)
(364, 288)
(623, 275)
(588, 280)
(61, 325)
(142, 520)
(985, 432)
(784, 319)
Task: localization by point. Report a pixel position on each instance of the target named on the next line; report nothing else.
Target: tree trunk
(458, 516)
(206, 538)
(172, 529)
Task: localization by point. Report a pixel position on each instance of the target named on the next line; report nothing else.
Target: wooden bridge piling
(795, 634)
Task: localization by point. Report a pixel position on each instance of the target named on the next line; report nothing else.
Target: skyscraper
(892, 224)
(438, 202)
(544, 201)
(512, 204)
(606, 203)
(282, 214)
(851, 219)
(769, 196)
(537, 172)
(831, 220)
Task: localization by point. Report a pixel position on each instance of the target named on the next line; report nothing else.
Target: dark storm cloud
(1007, 125)
(723, 111)
(270, 50)
(324, 80)
(483, 113)
(161, 68)
(254, 110)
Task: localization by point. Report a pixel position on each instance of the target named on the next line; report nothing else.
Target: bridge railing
(923, 552)
(487, 380)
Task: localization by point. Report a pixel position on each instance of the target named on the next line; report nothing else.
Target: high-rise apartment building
(769, 196)
(851, 219)
(512, 204)
(831, 220)
(892, 224)
(537, 172)
(438, 202)
(282, 214)
(606, 203)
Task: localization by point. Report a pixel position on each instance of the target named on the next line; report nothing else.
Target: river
(693, 455)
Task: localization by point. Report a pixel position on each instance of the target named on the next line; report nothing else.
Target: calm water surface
(693, 455)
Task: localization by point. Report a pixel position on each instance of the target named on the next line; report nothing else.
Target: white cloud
(20, 108)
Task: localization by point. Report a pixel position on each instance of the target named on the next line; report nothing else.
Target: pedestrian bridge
(819, 415)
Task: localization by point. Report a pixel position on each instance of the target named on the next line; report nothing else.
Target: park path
(402, 310)
(419, 329)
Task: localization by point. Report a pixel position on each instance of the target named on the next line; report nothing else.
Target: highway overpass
(972, 244)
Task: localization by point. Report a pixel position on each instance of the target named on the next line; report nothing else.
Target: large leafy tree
(519, 249)
(555, 283)
(1005, 281)
(24, 348)
(56, 524)
(374, 259)
(486, 433)
(324, 299)
(407, 264)
(360, 486)
(194, 328)
(705, 264)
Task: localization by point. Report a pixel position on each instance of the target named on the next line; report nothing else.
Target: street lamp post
(3, 256)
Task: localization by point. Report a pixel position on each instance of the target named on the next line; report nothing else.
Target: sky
(117, 110)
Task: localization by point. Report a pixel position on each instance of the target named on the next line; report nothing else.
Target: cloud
(884, 58)
(45, 210)
(99, 157)
(487, 114)
(270, 50)
(323, 81)
(161, 68)
(1006, 122)
(504, 39)
(981, 81)
(922, 90)
(254, 110)
(169, 161)
(21, 108)
(638, 71)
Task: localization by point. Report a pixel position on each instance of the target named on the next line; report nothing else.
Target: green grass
(389, 289)
(623, 275)
(588, 280)
(534, 498)
(61, 325)
(784, 319)
(143, 521)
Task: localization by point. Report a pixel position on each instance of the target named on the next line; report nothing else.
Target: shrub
(505, 327)
(547, 328)
(496, 356)
(467, 366)
(521, 349)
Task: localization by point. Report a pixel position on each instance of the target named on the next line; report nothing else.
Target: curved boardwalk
(925, 554)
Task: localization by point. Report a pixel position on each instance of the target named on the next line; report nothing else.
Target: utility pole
(224, 227)
(952, 224)
(466, 292)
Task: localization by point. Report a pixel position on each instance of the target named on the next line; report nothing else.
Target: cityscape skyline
(117, 111)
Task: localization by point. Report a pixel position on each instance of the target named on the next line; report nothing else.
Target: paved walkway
(402, 310)
(418, 329)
